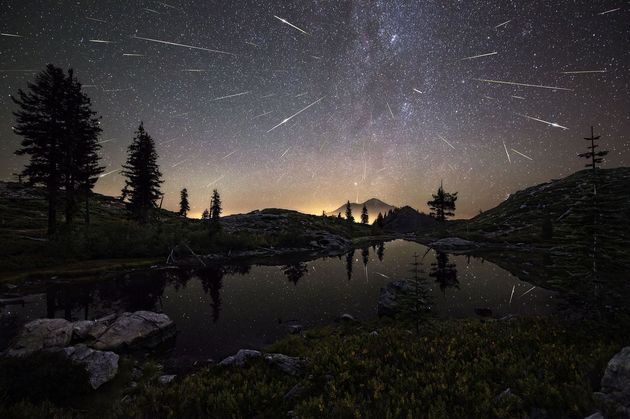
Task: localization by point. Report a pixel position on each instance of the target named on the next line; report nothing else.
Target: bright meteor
(284, 121)
(479, 56)
(551, 124)
(183, 45)
(444, 139)
(513, 83)
(290, 24)
(229, 96)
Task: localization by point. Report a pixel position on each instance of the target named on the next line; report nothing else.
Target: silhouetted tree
(443, 204)
(215, 212)
(365, 255)
(205, 215)
(143, 177)
(415, 301)
(211, 283)
(364, 215)
(60, 134)
(380, 251)
(596, 157)
(349, 216)
(184, 205)
(339, 216)
(379, 220)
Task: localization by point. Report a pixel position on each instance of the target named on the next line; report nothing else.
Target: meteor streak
(215, 181)
(129, 54)
(510, 160)
(518, 152)
(527, 292)
(551, 124)
(584, 72)
(100, 41)
(390, 110)
(416, 90)
(262, 114)
(229, 96)
(19, 71)
(290, 24)
(285, 152)
(540, 86)
(152, 11)
(182, 45)
(284, 121)
(109, 173)
(12, 35)
(228, 155)
(195, 70)
(502, 24)
(480, 55)
(95, 19)
(444, 139)
(609, 11)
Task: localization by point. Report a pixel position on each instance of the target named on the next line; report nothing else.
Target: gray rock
(615, 392)
(166, 379)
(101, 366)
(596, 415)
(142, 328)
(347, 318)
(240, 357)
(287, 364)
(41, 334)
(453, 243)
(294, 329)
(81, 329)
(388, 297)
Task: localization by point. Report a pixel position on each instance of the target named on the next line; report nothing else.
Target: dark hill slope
(407, 220)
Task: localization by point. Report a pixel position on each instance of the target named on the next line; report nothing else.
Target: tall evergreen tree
(142, 186)
(184, 205)
(215, 207)
(364, 215)
(349, 217)
(443, 204)
(60, 133)
(595, 157)
(379, 220)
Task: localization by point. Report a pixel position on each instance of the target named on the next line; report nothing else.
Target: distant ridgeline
(374, 206)
(407, 220)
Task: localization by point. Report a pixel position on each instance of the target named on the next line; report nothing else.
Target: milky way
(306, 104)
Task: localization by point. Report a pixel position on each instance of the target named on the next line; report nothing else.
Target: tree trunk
(52, 210)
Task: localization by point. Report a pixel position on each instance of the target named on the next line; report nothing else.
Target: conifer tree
(142, 186)
(205, 215)
(184, 205)
(364, 215)
(349, 217)
(379, 220)
(443, 204)
(60, 133)
(415, 300)
(595, 157)
(215, 207)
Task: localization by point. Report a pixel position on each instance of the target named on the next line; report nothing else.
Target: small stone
(374, 333)
(287, 364)
(294, 329)
(240, 357)
(166, 379)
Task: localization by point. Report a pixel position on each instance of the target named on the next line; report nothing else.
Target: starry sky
(306, 104)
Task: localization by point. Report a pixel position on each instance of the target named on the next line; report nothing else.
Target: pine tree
(205, 215)
(414, 300)
(443, 204)
(184, 206)
(379, 220)
(349, 217)
(61, 137)
(364, 215)
(215, 207)
(142, 186)
(596, 157)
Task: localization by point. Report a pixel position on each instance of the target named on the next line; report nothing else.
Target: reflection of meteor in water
(444, 139)
(19, 71)
(480, 56)
(152, 11)
(285, 152)
(95, 19)
(129, 54)
(12, 35)
(390, 110)
(509, 160)
(609, 11)
(169, 6)
(116, 90)
(551, 124)
(513, 83)
(383, 275)
(502, 24)
(583, 72)
(284, 121)
(229, 96)
(290, 24)
(109, 173)
(518, 152)
(228, 155)
(527, 292)
(512, 295)
(182, 45)
(100, 41)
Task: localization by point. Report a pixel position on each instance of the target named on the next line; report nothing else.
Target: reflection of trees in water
(444, 272)
(295, 271)
(380, 251)
(211, 278)
(365, 255)
(349, 261)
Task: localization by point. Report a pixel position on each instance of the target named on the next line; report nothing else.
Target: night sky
(392, 93)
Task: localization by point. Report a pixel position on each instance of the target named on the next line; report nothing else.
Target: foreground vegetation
(454, 368)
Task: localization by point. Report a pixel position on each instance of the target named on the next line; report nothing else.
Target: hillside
(374, 206)
(408, 220)
(111, 236)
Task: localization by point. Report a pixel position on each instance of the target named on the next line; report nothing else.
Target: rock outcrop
(453, 243)
(288, 364)
(614, 396)
(101, 366)
(389, 297)
(41, 334)
(139, 329)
